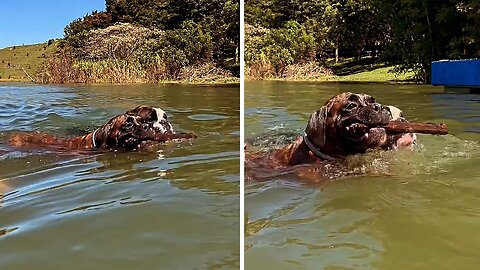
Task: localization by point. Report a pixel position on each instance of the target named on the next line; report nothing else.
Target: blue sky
(35, 21)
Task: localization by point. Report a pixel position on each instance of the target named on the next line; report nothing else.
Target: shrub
(129, 53)
(178, 48)
(269, 52)
(119, 41)
(76, 30)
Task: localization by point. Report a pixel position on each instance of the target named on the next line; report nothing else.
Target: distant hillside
(29, 57)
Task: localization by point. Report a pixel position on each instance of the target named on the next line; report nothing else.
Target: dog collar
(93, 138)
(315, 149)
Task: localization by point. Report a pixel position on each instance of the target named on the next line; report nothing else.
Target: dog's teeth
(348, 128)
(366, 135)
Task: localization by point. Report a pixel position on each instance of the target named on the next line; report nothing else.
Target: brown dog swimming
(142, 126)
(347, 124)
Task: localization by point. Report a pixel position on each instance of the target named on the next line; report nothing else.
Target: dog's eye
(145, 126)
(351, 106)
(128, 125)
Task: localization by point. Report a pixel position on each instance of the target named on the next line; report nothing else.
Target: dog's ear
(137, 110)
(316, 126)
(144, 112)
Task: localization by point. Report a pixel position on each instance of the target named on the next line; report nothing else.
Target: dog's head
(348, 123)
(131, 129)
(155, 117)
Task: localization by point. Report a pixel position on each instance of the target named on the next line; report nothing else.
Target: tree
(424, 31)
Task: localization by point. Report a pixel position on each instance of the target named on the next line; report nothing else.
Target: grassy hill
(29, 57)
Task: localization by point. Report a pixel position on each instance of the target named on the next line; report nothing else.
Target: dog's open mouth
(359, 131)
(365, 135)
(146, 133)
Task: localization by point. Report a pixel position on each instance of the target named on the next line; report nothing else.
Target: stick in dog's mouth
(360, 131)
(395, 127)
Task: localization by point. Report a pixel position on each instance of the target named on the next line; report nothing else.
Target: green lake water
(173, 207)
(422, 211)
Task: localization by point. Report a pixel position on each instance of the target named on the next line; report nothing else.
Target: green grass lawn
(365, 70)
(381, 74)
(29, 57)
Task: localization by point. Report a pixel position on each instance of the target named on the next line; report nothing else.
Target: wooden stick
(406, 127)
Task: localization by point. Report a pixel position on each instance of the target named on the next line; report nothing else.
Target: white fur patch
(395, 112)
(162, 120)
(408, 139)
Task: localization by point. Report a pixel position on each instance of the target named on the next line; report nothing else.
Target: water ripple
(207, 117)
(184, 197)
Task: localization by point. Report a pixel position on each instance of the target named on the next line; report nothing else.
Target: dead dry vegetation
(124, 53)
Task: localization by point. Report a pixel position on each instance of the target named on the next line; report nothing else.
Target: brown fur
(103, 135)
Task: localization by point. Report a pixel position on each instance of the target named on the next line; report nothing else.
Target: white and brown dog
(142, 126)
(347, 124)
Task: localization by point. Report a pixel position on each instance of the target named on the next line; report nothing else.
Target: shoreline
(376, 75)
(227, 81)
(333, 80)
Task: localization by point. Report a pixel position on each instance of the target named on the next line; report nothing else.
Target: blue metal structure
(456, 73)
